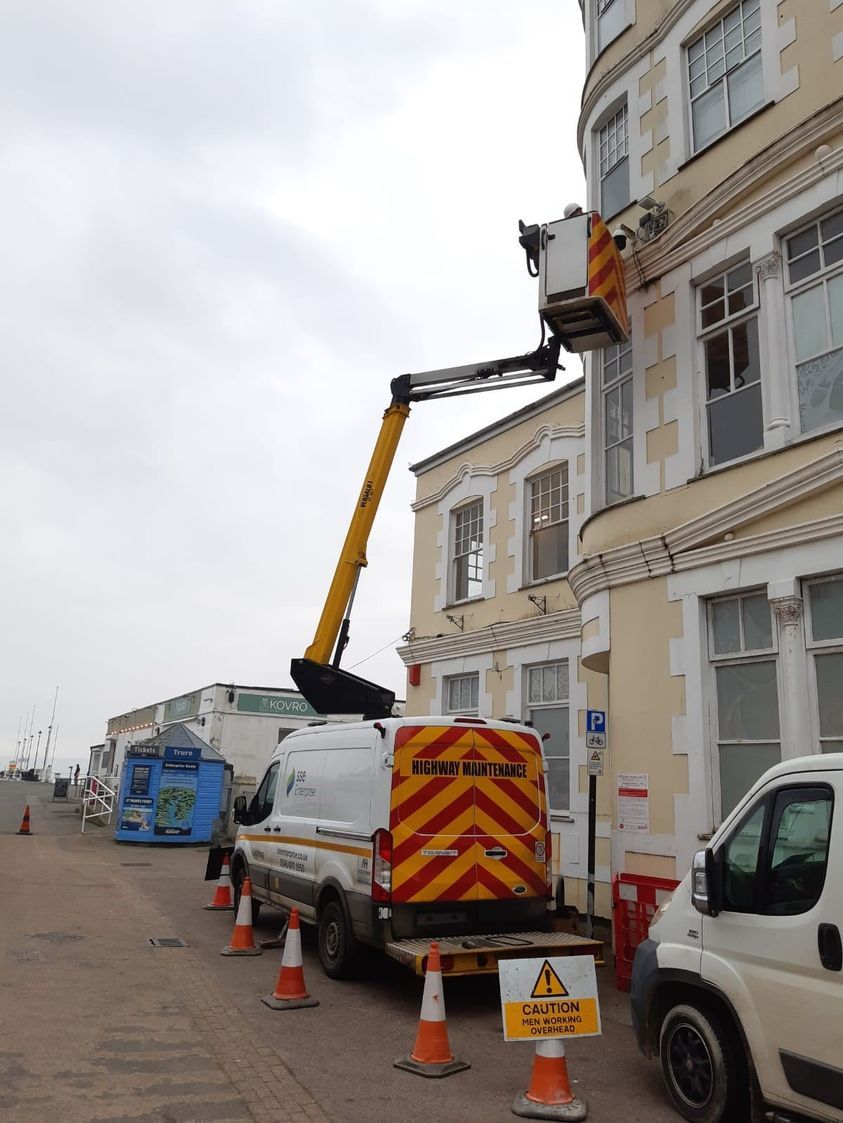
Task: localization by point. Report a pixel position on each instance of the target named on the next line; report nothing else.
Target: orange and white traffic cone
(222, 901)
(549, 1095)
(431, 1055)
(24, 823)
(243, 940)
(290, 992)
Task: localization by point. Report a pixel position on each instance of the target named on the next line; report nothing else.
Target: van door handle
(277, 830)
(830, 947)
(267, 829)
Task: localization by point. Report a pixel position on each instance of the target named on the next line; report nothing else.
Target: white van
(739, 988)
(403, 828)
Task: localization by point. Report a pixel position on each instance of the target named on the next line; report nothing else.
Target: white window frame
(469, 680)
(726, 326)
(456, 554)
(737, 658)
(747, 52)
(562, 467)
(563, 704)
(814, 648)
(613, 152)
(794, 289)
(611, 19)
(619, 358)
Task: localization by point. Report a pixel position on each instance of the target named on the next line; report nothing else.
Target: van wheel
(700, 1067)
(337, 946)
(237, 879)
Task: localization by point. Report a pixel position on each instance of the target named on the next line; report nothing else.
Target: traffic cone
(24, 823)
(549, 1095)
(222, 901)
(290, 992)
(243, 940)
(431, 1055)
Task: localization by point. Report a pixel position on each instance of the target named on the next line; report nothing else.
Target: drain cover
(136, 863)
(168, 942)
(55, 937)
(26, 955)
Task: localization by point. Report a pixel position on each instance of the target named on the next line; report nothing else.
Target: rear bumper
(462, 918)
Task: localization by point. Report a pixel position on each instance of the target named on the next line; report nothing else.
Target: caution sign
(549, 998)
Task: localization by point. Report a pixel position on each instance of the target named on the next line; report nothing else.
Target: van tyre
(705, 1077)
(337, 947)
(237, 879)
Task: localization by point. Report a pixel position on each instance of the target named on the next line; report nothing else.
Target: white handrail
(98, 800)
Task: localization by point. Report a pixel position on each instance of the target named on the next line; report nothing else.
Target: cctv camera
(620, 238)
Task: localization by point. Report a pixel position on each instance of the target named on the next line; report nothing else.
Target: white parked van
(401, 830)
(739, 988)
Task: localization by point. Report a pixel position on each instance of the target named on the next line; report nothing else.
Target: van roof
(393, 723)
(817, 762)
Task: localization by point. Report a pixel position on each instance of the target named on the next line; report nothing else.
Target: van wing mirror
(705, 887)
(239, 813)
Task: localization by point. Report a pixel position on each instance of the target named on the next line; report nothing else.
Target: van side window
(798, 853)
(264, 798)
(740, 866)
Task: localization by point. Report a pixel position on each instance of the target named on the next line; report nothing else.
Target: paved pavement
(98, 1026)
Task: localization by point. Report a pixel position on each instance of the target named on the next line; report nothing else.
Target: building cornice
(550, 432)
(690, 544)
(678, 245)
(494, 637)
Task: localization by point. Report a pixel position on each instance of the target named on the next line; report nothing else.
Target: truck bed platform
(479, 955)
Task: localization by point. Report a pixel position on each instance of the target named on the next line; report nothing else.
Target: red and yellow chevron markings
(606, 277)
(457, 793)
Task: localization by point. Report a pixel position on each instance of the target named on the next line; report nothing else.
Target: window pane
(735, 425)
(820, 384)
(757, 623)
(718, 367)
(746, 90)
(549, 684)
(619, 472)
(835, 303)
(809, 327)
(613, 416)
(554, 720)
(709, 116)
(745, 353)
(740, 767)
(796, 874)
(550, 551)
(804, 267)
(747, 702)
(827, 610)
(832, 227)
(740, 862)
(534, 685)
(725, 626)
(801, 243)
(830, 693)
(562, 680)
(614, 189)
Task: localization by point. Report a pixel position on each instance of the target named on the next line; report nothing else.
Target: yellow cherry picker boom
(582, 301)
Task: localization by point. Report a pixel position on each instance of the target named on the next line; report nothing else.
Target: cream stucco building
(666, 541)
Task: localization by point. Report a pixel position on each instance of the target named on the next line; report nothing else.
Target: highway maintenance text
(468, 768)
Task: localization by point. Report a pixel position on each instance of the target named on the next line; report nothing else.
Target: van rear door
(468, 816)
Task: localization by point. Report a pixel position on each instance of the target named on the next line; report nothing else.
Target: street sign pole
(592, 847)
(595, 743)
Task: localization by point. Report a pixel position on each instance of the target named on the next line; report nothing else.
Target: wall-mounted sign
(140, 779)
(192, 752)
(634, 801)
(178, 709)
(177, 795)
(276, 705)
(142, 750)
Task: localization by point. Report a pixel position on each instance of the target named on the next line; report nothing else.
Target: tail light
(382, 867)
(548, 863)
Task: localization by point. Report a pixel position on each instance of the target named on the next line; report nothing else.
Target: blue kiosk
(170, 790)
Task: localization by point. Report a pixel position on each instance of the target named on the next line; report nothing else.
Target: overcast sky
(226, 225)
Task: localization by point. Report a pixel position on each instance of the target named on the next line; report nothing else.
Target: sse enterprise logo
(291, 779)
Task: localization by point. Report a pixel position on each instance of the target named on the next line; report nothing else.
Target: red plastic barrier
(635, 899)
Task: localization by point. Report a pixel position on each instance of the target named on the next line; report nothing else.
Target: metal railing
(98, 801)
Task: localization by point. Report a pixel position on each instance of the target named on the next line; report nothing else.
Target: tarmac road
(98, 1025)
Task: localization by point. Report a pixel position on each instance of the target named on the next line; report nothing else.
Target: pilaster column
(775, 365)
(794, 716)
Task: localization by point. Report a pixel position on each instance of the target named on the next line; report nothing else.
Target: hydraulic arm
(319, 677)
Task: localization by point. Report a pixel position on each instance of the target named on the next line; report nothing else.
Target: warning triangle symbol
(548, 984)
(595, 754)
